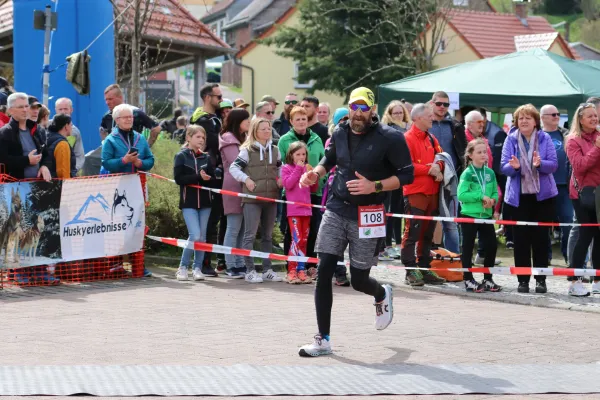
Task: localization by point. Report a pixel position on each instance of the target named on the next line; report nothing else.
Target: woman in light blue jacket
(125, 150)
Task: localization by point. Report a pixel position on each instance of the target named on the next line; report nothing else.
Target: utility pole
(47, 21)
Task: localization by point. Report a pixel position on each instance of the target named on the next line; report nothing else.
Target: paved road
(220, 321)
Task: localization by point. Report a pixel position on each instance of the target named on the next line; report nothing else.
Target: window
(300, 85)
(461, 3)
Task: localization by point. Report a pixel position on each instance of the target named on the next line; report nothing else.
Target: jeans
(573, 238)
(564, 213)
(451, 237)
(234, 237)
(254, 214)
(196, 221)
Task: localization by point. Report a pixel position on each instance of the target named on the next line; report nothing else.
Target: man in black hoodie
(206, 117)
(283, 125)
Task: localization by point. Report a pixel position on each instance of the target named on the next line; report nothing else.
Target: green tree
(561, 7)
(341, 44)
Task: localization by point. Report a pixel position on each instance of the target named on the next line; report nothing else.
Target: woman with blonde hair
(193, 166)
(397, 116)
(529, 161)
(583, 151)
(257, 167)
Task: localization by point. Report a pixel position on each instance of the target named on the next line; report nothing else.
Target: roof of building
(218, 9)
(491, 34)
(246, 49)
(536, 41)
(170, 20)
(248, 14)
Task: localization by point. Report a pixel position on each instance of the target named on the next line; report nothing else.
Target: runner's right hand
(308, 179)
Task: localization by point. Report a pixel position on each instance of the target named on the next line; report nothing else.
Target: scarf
(530, 178)
(262, 150)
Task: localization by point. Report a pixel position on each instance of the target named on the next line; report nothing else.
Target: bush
(163, 215)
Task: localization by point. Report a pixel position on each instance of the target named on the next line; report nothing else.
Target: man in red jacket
(421, 197)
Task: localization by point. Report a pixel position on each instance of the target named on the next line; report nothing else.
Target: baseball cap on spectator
(226, 103)
(270, 99)
(33, 101)
(240, 103)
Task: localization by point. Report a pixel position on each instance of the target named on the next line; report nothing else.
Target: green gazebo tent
(503, 83)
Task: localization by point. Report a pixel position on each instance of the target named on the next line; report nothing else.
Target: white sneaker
(197, 275)
(596, 288)
(319, 347)
(271, 276)
(384, 310)
(182, 274)
(253, 277)
(577, 289)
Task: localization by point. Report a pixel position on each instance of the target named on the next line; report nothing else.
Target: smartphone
(133, 150)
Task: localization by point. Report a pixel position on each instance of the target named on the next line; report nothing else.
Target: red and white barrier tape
(213, 248)
(407, 216)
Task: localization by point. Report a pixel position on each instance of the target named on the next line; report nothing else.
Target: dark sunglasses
(441, 103)
(292, 102)
(361, 107)
(554, 114)
(583, 106)
(218, 96)
(270, 112)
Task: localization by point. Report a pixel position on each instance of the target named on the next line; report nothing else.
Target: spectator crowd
(464, 166)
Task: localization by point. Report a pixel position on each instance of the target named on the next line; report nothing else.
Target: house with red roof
(470, 35)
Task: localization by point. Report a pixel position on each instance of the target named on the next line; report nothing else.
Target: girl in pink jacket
(298, 215)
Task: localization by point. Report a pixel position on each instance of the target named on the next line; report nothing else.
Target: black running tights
(359, 278)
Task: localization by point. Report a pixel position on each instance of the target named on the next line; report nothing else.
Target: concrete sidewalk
(220, 321)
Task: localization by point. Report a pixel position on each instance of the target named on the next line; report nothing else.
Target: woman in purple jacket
(529, 160)
(233, 134)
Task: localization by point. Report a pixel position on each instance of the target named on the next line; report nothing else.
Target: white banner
(101, 217)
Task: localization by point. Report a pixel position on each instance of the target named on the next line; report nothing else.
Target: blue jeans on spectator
(196, 221)
(234, 237)
(451, 236)
(564, 214)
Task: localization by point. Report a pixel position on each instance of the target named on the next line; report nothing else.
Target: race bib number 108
(371, 222)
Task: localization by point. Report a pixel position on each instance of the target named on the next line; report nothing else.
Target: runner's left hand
(360, 186)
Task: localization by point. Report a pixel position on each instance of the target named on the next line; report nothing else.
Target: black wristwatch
(378, 187)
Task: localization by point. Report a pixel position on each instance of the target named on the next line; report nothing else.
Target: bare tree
(130, 28)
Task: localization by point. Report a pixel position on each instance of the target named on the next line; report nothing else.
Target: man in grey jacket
(64, 105)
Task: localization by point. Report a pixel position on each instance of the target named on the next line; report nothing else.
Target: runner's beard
(359, 124)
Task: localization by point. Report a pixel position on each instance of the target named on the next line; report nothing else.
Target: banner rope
(213, 248)
(407, 216)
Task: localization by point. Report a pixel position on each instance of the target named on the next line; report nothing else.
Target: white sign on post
(454, 100)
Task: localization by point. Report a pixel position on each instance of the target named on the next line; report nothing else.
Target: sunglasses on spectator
(441, 103)
(361, 107)
(553, 114)
(218, 96)
(583, 106)
(292, 102)
(270, 112)
(343, 119)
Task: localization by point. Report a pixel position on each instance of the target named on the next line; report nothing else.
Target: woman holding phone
(125, 150)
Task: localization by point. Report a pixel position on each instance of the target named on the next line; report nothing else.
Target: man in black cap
(32, 115)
